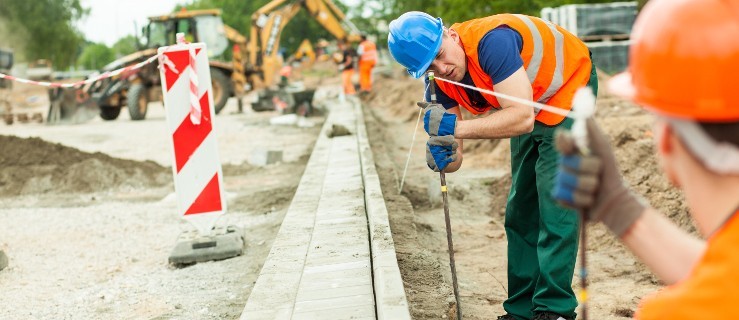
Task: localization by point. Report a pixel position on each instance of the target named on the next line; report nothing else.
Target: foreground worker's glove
(440, 152)
(436, 121)
(593, 183)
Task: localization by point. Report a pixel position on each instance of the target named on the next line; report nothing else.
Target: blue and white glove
(436, 121)
(440, 152)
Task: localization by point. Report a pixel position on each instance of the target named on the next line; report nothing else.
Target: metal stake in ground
(584, 103)
(583, 267)
(446, 215)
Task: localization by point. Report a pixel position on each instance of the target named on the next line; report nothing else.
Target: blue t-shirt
(499, 52)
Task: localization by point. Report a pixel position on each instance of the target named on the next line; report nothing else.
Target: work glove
(593, 184)
(440, 152)
(436, 121)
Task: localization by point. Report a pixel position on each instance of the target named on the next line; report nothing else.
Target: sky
(110, 20)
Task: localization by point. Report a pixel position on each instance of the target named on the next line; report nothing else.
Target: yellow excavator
(264, 41)
(254, 65)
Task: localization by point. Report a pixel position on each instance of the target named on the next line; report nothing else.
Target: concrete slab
(223, 243)
(329, 293)
(353, 313)
(265, 157)
(321, 264)
(272, 291)
(333, 304)
(390, 299)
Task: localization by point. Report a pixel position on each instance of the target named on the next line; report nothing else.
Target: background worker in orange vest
(346, 67)
(367, 51)
(528, 58)
(684, 60)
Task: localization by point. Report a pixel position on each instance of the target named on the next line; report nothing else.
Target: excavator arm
(268, 23)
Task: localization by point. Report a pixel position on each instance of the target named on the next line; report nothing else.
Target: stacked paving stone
(333, 257)
(605, 28)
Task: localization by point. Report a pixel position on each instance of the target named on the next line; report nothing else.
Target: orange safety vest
(369, 51)
(554, 76)
(709, 292)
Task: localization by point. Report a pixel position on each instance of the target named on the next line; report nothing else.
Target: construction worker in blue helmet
(524, 57)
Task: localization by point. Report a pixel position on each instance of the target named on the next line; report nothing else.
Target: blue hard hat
(414, 41)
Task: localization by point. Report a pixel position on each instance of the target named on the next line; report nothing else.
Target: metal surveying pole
(432, 87)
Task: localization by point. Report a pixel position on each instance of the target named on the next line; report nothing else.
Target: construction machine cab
(134, 89)
(198, 26)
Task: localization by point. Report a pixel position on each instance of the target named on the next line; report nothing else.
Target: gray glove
(440, 152)
(436, 120)
(592, 183)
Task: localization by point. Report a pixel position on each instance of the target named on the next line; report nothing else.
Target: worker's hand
(341, 67)
(440, 152)
(436, 121)
(593, 183)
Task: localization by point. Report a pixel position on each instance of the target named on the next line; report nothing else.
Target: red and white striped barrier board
(188, 100)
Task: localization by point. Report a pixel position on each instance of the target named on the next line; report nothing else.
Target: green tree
(42, 29)
(95, 56)
(235, 13)
(124, 46)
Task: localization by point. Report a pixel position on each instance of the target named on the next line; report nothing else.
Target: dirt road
(88, 225)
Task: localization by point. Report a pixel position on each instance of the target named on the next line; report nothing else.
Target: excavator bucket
(71, 106)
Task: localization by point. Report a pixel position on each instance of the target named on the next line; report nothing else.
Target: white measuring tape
(104, 75)
(577, 112)
(413, 140)
(108, 74)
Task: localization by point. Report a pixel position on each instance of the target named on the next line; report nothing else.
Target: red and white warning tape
(104, 75)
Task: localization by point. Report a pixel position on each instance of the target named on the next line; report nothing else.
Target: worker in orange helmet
(367, 51)
(683, 64)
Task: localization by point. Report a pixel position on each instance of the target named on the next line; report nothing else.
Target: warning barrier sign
(188, 99)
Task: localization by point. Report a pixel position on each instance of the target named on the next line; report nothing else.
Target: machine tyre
(109, 113)
(137, 100)
(221, 89)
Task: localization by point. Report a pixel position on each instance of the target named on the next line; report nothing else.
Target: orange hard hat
(684, 60)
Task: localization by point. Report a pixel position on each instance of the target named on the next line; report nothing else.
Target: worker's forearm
(668, 251)
(506, 123)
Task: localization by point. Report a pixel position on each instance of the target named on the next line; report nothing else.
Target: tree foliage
(452, 11)
(95, 56)
(124, 46)
(42, 29)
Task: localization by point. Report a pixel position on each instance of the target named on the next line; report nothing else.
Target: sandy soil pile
(34, 166)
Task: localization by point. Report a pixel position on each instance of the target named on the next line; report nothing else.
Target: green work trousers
(542, 236)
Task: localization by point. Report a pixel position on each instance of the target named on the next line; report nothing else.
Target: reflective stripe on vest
(533, 69)
(554, 77)
(369, 51)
